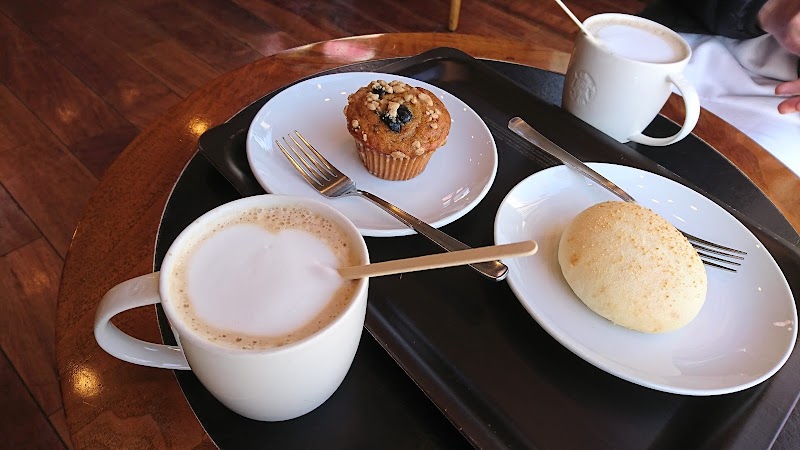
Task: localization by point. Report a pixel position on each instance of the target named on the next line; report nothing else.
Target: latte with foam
(252, 290)
(619, 78)
(638, 41)
(264, 277)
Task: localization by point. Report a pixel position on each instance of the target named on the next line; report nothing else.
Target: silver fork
(332, 183)
(711, 254)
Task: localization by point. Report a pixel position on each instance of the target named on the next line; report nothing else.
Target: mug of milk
(258, 308)
(620, 80)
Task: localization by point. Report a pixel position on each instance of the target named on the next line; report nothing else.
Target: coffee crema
(264, 277)
(638, 41)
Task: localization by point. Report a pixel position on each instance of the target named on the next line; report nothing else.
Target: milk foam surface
(265, 278)
(646, 45)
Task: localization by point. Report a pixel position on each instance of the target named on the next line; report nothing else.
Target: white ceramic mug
(620, 95)
(270, 384)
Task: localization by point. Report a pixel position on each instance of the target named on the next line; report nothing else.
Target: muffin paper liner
(390, 168)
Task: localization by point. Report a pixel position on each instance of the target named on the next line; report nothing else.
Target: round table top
(116, 236)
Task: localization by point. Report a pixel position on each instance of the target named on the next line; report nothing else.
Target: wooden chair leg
(455, 9)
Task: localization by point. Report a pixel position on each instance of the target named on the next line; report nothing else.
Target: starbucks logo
(582, 88)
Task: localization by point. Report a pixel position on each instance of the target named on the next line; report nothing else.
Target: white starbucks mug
(619, 81)
(269, 384)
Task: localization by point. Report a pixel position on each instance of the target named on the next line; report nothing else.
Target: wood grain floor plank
(22, 424)
(16, 229)
(118, 23)
(50, 184)
(592, 7)
(321, 16)
(203, 38)
(362, 17)
(29, 279)
(98, 152)
(291, 17)
(71, 110)
(545, 15)
(175, 66)
(31, 12)
(18, 125)
(59, 422)
(246, 27)
(370, 16)
(484, 19)
(106, 68)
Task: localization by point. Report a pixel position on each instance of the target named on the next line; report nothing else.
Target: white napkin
(736, 80)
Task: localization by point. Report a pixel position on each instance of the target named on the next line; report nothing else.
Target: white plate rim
(596, 360)
(365, 77)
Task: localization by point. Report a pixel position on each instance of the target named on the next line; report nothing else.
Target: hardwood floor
(80, 78)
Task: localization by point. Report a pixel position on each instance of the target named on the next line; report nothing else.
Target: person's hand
(791, 104)
(781, 18)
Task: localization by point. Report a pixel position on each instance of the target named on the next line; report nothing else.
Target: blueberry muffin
(396, 127)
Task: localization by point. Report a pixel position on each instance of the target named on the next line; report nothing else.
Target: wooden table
(110, 403)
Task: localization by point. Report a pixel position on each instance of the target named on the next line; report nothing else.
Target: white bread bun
(632, 267)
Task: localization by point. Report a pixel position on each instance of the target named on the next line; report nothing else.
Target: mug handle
(139, 291)
(692, 104)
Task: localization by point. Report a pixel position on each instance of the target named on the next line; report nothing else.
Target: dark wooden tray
(467, 343)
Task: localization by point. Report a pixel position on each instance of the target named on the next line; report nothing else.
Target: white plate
(456, 179)
(744, 333)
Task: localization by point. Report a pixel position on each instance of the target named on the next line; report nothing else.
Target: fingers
(790, 105)
(788, 88)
